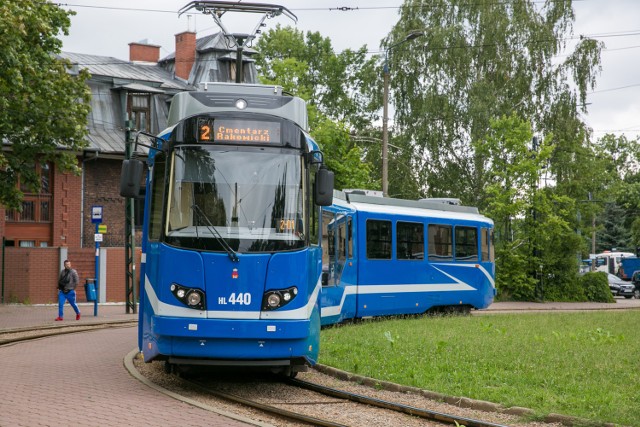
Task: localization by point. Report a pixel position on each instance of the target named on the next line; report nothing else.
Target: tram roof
(391, 206)
(221, 97)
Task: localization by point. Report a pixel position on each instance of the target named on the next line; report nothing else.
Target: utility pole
(385, 111)
(131, 296)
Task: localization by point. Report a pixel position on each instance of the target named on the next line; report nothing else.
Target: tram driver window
(440, 243)
(157, 193)
(410, 240)
(466, 244)
(378, 239)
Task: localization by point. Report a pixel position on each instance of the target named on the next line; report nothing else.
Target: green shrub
(596, 287)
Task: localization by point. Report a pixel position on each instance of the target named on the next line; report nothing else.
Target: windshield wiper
(232, 254)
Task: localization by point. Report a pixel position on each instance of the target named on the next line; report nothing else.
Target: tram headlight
(194, 298)
(274, 299)
(191, 297)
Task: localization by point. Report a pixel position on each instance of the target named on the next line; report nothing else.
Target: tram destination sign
(239, 131)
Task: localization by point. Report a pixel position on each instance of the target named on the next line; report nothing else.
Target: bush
(596, 287)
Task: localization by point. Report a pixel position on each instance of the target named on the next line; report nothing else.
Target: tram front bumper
(230, 328)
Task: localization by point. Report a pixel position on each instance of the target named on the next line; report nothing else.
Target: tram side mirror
(130, 178)
(315, 157)
(323, 188)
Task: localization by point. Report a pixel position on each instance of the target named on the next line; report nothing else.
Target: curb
(462, 402)
(128, 364)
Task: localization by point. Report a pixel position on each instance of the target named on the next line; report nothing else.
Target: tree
(43, 108)
(536, 242)
(478, 61)
(341, 86)
(337, 90)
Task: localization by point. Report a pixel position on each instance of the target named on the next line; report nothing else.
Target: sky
(106, 27)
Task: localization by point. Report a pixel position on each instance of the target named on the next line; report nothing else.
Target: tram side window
(409, 240)
(466, 244)
(350, 237)
(378, 239)
(487, 253)
(327, 246)
(342, 237)
(157, 192)
(440, 243)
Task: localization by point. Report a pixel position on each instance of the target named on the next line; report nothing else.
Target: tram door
(337, 260)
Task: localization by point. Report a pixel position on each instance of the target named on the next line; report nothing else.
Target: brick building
(56, 223)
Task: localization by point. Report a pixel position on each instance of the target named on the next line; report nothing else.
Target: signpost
(96, 218)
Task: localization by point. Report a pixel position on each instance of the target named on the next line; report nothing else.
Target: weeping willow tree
(481, 60)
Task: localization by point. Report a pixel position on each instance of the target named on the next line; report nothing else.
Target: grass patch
(580, 364)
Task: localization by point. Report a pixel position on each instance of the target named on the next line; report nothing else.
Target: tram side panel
(392, 284)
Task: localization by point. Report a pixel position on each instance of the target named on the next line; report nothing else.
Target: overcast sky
(106, 27)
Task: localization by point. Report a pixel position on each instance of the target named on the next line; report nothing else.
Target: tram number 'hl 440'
(239, 298)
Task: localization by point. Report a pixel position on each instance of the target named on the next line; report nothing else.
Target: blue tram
(384, 256)
(231, 261)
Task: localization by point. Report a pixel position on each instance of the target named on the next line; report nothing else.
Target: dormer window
(138, 110)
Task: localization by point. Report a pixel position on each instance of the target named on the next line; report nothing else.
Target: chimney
(185, 53)
(143, 51)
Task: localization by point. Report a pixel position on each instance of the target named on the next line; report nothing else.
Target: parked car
(627, 290)
(615, 284)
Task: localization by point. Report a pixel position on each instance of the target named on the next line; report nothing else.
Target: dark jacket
(68, 280)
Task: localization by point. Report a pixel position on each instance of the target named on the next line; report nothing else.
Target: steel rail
(52, 331)
(398, 407)
(264, 407)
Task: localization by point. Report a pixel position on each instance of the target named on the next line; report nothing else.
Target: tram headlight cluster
(275, 299)
(191, 297)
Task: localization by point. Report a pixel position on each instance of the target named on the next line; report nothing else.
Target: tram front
(233, 266)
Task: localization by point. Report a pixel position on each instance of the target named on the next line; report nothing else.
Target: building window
(139, 111)
(36, 207)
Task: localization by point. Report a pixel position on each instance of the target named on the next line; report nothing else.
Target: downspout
(3, 266)
(84, 159)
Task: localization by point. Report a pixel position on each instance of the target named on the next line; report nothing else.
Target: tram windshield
(252, 198)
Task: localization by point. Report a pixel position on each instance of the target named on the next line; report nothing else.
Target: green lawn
(580, 364)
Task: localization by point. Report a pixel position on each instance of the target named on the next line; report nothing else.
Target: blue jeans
(69, 296)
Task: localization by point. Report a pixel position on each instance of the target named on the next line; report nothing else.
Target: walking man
(67, 283)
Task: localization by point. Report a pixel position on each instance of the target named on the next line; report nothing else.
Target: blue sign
(96, 214)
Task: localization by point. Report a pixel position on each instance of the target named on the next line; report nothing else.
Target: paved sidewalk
(21, 316)
(79, 380)
(620, 304)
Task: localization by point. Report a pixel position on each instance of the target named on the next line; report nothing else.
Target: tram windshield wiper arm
(232, 254)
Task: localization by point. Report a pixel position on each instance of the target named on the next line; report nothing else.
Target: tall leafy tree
(480, 60)
(43, 108)
(340, 85)
(338, 91)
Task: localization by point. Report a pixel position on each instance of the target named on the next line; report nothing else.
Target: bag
(63, 280)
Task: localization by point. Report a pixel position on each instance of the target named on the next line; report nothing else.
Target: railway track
(301, 401)
(16, 335)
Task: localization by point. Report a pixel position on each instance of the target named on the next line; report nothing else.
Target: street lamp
(385, 112)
